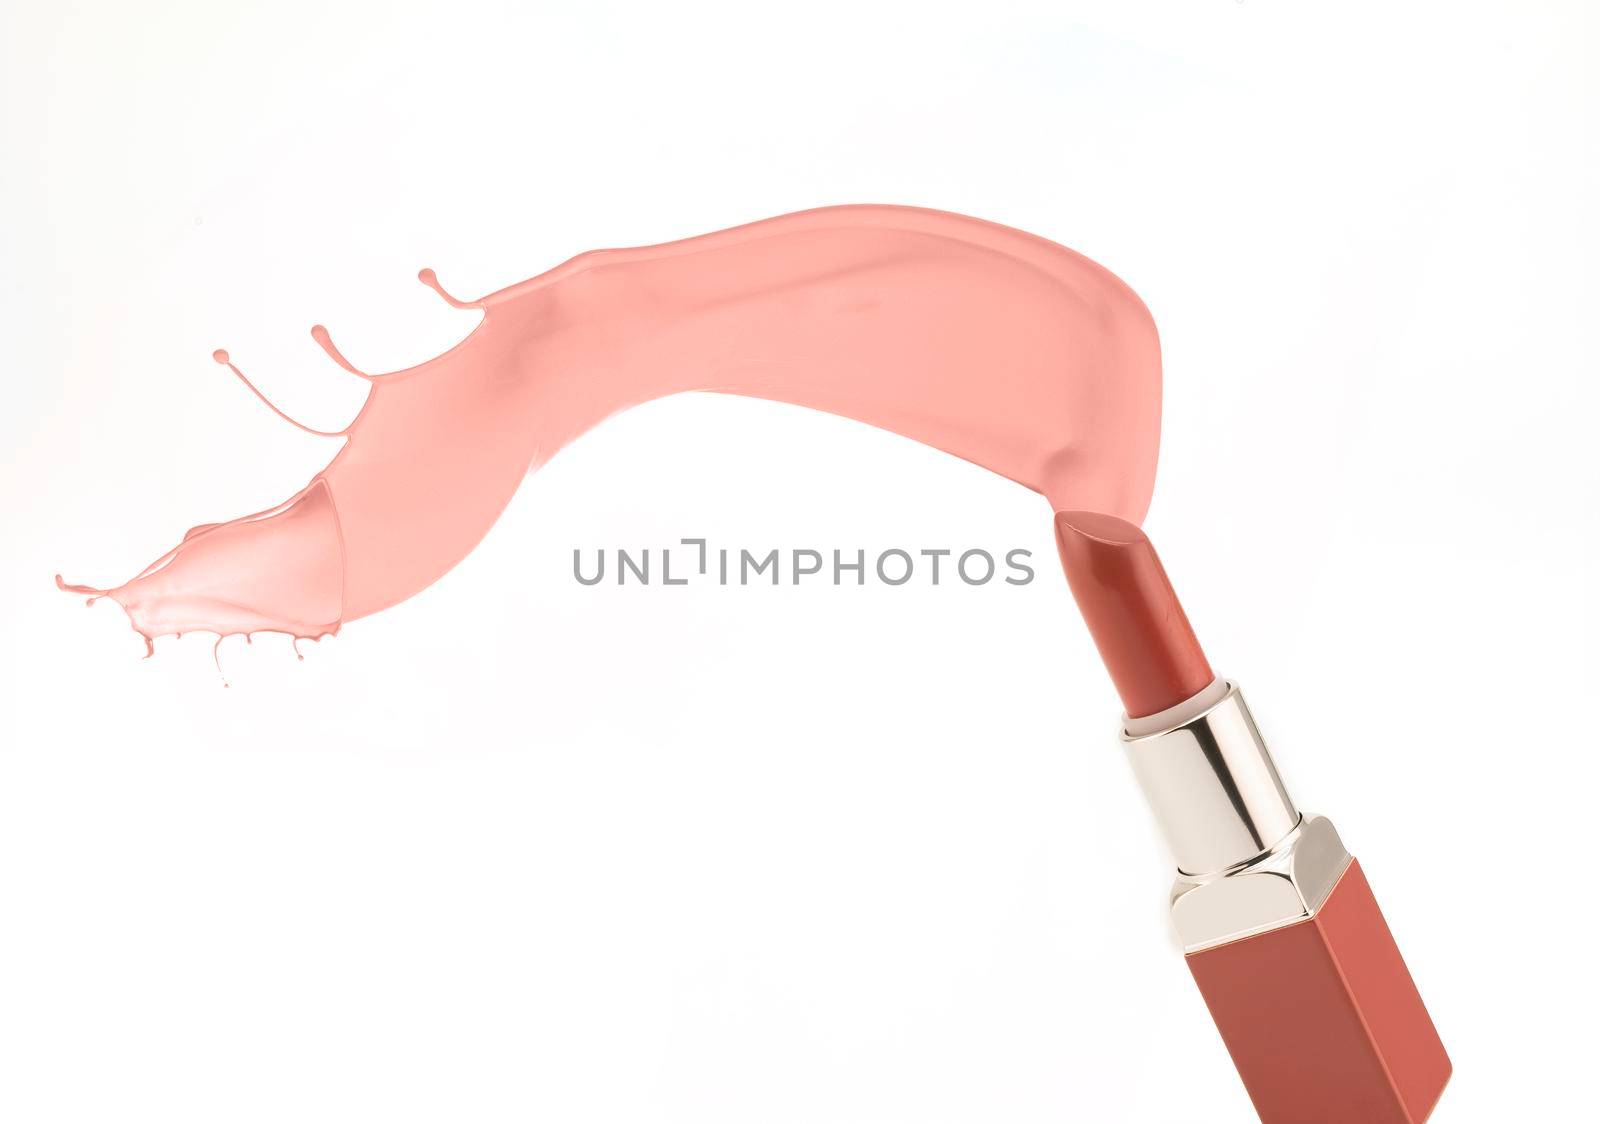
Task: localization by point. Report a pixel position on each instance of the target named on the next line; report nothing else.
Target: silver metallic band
(1247, 861)
(1211, 782)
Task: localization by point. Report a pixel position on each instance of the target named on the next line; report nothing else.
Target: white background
(520, 850)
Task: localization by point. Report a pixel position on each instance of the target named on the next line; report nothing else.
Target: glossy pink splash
(994, 345)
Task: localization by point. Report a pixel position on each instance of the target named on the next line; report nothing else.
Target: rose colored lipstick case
(1369, 1054)
(1278, 924)
(1281, 930)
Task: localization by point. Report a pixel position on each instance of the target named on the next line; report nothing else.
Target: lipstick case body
(1280, 928)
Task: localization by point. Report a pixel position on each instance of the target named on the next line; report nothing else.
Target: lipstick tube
(1278, 924)
(1280, 928)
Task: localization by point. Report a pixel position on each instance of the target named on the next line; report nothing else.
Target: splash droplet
(431, 279)
(325, 341)
(221, 356)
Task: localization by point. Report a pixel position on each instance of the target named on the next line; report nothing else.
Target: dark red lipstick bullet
(1132, 611)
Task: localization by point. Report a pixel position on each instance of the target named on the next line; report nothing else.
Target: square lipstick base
(1322, 1018)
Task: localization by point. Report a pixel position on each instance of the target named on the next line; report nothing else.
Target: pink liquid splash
(992, 344)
